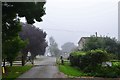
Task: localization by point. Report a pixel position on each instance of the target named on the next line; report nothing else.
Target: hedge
(91, 58)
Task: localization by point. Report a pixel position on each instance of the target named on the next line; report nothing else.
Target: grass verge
(105, 72)
(70, 71)
(14, 71)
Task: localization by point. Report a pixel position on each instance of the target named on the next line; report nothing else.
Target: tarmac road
(44, 68)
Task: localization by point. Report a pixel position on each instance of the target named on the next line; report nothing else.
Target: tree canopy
(29, 10)
(36, 39)
(111, 45)
(11, 41)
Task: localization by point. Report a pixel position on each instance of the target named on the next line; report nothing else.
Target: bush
(95, 57)
(75, 58)
(88, 60)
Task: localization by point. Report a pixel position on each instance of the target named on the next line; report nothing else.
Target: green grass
(108, 72)
(70, 71)
(116, 63)
(15, 71)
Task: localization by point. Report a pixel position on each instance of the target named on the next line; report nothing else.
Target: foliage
(91, 58)
(15, 71)
(13, 47)
(54, 50)
(11, 41)
(68, 47)
(11, 24)
(118, 49)
(29, 10)
(75, 58)
(95, 57)
(36, 40)
(111, 45)
(71, 71)
(104, 72)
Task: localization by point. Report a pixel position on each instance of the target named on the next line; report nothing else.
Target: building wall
(81, 44)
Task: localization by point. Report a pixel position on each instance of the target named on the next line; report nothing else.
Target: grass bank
(70, 71)
(14, 71)
(106, 72)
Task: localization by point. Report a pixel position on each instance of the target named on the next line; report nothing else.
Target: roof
(82, 39)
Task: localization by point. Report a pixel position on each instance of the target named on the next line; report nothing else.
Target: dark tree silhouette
(29, 10)
(36, 40)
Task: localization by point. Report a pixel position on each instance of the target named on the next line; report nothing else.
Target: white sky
(69, 20)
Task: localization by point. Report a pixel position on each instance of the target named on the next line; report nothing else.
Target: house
(81, 42)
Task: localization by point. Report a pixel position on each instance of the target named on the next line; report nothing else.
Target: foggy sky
(69, 20)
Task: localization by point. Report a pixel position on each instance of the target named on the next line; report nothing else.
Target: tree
(13, 47)
(11, 41)
(118, 50)
(93, 43)
(104, 43)
(54, 50)
(29, 10)
(11, 24)
(68, 47)
(36, 39)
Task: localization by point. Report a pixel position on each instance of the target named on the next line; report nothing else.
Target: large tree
(36, 40)
(29, 10)
(11, 42)
(11, 24)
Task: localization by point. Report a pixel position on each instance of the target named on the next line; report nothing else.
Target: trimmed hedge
(75, 58)
(91, 58)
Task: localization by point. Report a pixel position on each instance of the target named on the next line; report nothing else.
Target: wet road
(45, 67)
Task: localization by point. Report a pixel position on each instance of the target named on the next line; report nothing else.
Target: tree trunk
(11, 63)
(23, 61)
(32, 60)
(3, 62)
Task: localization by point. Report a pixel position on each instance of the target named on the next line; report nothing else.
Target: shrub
(97, 57)
(88, 60)
(75, 58)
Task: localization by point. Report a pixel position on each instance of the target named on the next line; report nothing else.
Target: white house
(81, 42)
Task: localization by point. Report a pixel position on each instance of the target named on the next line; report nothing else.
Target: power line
(65, 30)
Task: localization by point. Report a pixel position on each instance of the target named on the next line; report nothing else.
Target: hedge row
(91, 58)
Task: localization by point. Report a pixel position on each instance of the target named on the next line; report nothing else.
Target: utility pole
(96, 34)
(119, 21)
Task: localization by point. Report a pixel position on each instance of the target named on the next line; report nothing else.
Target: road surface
(45, 67)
